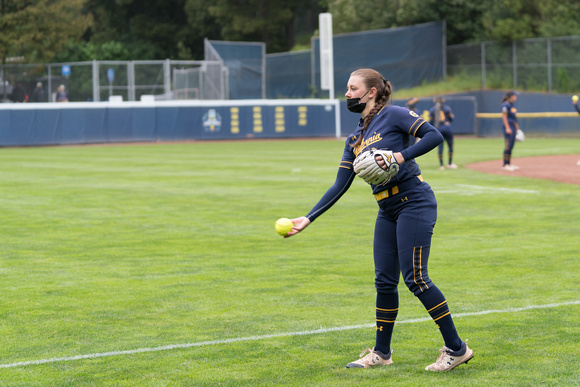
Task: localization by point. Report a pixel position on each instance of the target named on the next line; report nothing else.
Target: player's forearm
(344, 179)
(430, 139)
(505, 121)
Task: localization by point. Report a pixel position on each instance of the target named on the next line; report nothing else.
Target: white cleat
(447, 360)
(372, 359)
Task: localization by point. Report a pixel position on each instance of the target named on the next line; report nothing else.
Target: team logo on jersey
(212, 121)
(376, 137)
(412, 113)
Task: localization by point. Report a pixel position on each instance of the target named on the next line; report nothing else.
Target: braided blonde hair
(372, 78)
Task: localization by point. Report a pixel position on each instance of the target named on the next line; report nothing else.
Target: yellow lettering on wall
(258, 128)
(302, 115)
(235, 120)
(280, 121)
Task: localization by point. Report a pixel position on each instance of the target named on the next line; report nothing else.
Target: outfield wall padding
(553, 114)
(34, 124)
(85, 123)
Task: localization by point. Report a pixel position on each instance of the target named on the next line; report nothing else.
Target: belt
(404, 186)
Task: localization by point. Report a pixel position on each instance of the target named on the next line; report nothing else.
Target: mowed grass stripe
(271, 336)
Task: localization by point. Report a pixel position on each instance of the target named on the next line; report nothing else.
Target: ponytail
(508, 95)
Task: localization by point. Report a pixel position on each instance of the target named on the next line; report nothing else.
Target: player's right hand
(299, 225)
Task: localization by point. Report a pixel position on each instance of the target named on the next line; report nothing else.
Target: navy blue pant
(403, 232)
(447, 134)
(510, 141)
(402, 241)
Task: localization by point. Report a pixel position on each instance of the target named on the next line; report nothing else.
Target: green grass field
(158, 265)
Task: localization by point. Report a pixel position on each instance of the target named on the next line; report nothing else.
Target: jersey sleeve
(448, 113)
(344, 179)
(416, 126)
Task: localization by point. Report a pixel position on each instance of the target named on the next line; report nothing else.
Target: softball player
(412, 105)
(406, 216)
(575, 103)
(440, 116)
(510, 128)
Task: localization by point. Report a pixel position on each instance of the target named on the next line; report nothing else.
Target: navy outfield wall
(538, 113)
(479, 113)
(30, 124)
(85, 123)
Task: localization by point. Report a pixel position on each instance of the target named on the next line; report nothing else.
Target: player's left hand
(399, 159)
(376, 166)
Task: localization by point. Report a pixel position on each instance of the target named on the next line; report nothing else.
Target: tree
(37, 29)
(271, 22)
(520, 19)
(467, 20)
(462, 16)
(362, 15)
(202, 25)
(152, 29)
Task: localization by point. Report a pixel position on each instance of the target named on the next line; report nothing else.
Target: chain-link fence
(130, 80)
(246, 67)
(541, 64)
(545, 64)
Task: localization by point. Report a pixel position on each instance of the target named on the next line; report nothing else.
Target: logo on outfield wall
(212, 121)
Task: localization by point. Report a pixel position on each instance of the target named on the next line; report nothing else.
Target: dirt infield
(564, 169)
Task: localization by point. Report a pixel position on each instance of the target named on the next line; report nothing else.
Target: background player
(575, 103)
(440, 116)
(510, 128)
(405, 220)
(412, 105)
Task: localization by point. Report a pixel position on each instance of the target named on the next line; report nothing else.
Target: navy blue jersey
(445, 115)
(394, 128)
(511, 111)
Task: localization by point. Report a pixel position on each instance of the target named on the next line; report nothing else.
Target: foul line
(469, 189)
(262, 337)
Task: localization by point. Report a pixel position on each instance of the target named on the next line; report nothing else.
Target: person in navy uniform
(406, 215)
(510, 128)
(575, 103)
(412, 105)
(441, 116)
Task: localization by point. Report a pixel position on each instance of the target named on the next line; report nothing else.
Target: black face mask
(354, 105)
